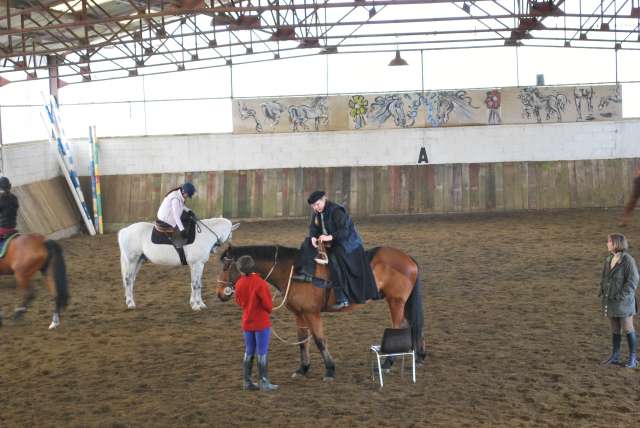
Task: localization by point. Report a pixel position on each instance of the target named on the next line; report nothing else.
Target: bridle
(199, 223)
(230, 286)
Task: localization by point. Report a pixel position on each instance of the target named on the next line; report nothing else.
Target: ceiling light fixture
(398, 60)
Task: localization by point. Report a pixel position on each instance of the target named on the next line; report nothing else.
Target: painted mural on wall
(407, 110)
(564, 104)
(429, 109)
(281, 115)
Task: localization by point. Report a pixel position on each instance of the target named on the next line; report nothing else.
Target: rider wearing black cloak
(351, 274)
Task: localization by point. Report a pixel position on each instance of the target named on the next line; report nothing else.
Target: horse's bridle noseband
(230, 286)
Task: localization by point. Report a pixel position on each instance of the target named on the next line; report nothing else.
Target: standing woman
(252, 294)
(617, 290)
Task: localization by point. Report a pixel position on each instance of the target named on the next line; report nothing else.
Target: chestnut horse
(27, 254)
(397, 279)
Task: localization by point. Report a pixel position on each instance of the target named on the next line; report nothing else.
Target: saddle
(4, 241)
(162, 234)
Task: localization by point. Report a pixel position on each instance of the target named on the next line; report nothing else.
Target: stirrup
(322, 259)
(341, 305)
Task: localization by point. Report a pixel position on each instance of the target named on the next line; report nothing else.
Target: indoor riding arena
(501, 188)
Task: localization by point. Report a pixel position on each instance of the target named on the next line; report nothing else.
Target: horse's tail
(55, 261)
(414, 315)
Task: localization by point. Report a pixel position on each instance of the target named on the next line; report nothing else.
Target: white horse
(136, 248)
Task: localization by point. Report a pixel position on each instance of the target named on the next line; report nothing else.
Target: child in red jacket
(252, 294)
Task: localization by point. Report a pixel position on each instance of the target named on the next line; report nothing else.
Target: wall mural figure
(581, 95)
(534, 103)
(492, 101)
(607, 100)
(316, 112)
(415, 101)
(358, 106)
(249, 113)
(441, 104)
(388, 106)
(272, 110)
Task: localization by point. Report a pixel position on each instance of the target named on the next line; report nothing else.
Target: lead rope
(286, 294)
(275, 262)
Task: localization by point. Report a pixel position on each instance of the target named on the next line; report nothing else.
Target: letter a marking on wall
(422, 157)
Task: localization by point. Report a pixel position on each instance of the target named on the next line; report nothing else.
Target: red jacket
(252, 294)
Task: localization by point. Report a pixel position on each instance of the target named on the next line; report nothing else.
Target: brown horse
(397, 279)
(27, 254)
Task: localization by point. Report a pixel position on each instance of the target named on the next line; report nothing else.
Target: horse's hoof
(328, 378)
(54, 325)
(18, 313)
(298, 374)
(131, 306)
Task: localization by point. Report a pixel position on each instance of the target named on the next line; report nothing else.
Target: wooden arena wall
(46, 204)
(415, 189)
(47, 207)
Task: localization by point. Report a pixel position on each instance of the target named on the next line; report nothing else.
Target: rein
(199, 223)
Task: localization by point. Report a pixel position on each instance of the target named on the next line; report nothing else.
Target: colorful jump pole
(94, 166)
(53, 122)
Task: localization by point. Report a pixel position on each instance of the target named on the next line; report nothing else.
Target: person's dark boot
(247, 365)
(341, 299)
(263, 369)
(177, 239)
(614, 358)
(633, 349)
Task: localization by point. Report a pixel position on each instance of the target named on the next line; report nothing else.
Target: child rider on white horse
(171, 209)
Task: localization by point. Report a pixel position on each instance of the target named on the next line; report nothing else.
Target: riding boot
(265, 384)
(633, 349)
(341, 299)
(614, 358)
(177, 239)
(247, 365)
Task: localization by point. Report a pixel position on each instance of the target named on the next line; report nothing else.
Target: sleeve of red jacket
(265, 296)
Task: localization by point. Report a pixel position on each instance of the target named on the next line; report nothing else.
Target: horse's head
(228, 276)
(220, 229)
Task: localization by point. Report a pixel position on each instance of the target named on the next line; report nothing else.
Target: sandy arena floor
(513, 330)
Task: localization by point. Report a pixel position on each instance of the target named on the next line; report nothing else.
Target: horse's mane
(259, 252)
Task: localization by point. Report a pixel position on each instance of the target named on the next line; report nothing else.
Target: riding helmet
(189, 189)
(5, 184)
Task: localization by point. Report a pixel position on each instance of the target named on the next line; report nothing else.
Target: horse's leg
(22, 281)
(129, 269)
(396, 311)
(303, 336)
(317, 330)
(196, 286)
